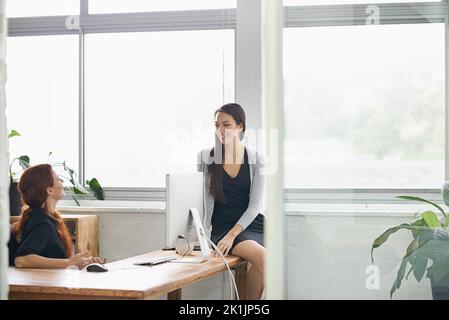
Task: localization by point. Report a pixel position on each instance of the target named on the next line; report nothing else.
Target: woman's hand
(83, 259)
(225, 244)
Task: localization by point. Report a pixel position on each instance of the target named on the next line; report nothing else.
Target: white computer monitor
(200, 233)
(184, 191)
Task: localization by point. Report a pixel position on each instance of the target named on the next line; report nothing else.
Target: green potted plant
(75, 187)
(15, 203)
(428, 252)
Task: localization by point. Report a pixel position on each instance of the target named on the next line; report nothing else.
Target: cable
(182, 250)
(231, 276)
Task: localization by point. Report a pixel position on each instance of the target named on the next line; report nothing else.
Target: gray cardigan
(257, 189)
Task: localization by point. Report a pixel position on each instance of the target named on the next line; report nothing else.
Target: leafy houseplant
(15, 202)
(75, 187)
(428, 252)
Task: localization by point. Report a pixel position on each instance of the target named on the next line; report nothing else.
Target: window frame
(216, 19)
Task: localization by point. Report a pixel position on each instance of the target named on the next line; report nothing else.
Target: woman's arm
(225, 244)
(256, 197)
(36, 261)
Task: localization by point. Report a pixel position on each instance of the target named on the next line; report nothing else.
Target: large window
(31, 8)
(118, 6)
(150, 99)
(364, 106)
(42, 97)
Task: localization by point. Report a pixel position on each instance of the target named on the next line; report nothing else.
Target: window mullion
(84, 7)
(81, 120)
(446, 93)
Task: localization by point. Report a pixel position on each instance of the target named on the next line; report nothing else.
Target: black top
(12, 247)
(40, 237)
(236, 191)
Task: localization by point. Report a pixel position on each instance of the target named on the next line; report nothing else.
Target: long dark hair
(33, 186)
(215, 170)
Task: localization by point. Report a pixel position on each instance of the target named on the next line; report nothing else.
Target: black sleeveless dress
(225, 216)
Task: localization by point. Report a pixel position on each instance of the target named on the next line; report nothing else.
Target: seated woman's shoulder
(38, 217)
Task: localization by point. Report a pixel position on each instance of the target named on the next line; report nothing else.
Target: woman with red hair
(42, 236)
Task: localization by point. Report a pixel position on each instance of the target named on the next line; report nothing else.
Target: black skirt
(253, 232)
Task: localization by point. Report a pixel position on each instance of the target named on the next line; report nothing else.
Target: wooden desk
(124, 280)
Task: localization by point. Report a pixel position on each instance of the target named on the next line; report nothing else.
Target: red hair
(33, 186)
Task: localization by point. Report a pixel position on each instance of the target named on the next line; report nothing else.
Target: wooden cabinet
(83, 230)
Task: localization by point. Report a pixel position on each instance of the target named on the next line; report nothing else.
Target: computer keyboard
(156, 260)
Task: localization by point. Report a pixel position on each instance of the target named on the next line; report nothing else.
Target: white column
(4, 159)
(249, 61)
(446, 46)
(272, 18)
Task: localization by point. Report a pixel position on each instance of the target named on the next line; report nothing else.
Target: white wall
(327, 256)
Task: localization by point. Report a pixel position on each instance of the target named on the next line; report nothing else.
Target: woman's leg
(254, 253)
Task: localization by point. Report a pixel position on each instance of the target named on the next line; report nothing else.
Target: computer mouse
(96, 267)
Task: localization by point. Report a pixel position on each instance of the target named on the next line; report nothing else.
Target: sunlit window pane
(42, 98)
(150, 99)
(117, 6)
(31, 8)
(364, 106)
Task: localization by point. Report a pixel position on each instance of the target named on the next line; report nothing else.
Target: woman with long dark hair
(233, 200)
(42, 236)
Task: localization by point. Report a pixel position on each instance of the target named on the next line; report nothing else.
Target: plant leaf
(24, 162)
(413, 198)
(76, 200)
(426, 235)
(96, 188)
(13, 133)
(432, 244)
(399, 276)
(385, 235)
(446, 222)
(438, 250)
(431, 219)
(412, 246)
(78, 188)
(69, 170)
(49, 155)
(419, 265)
(409, 271)
(418, 223)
